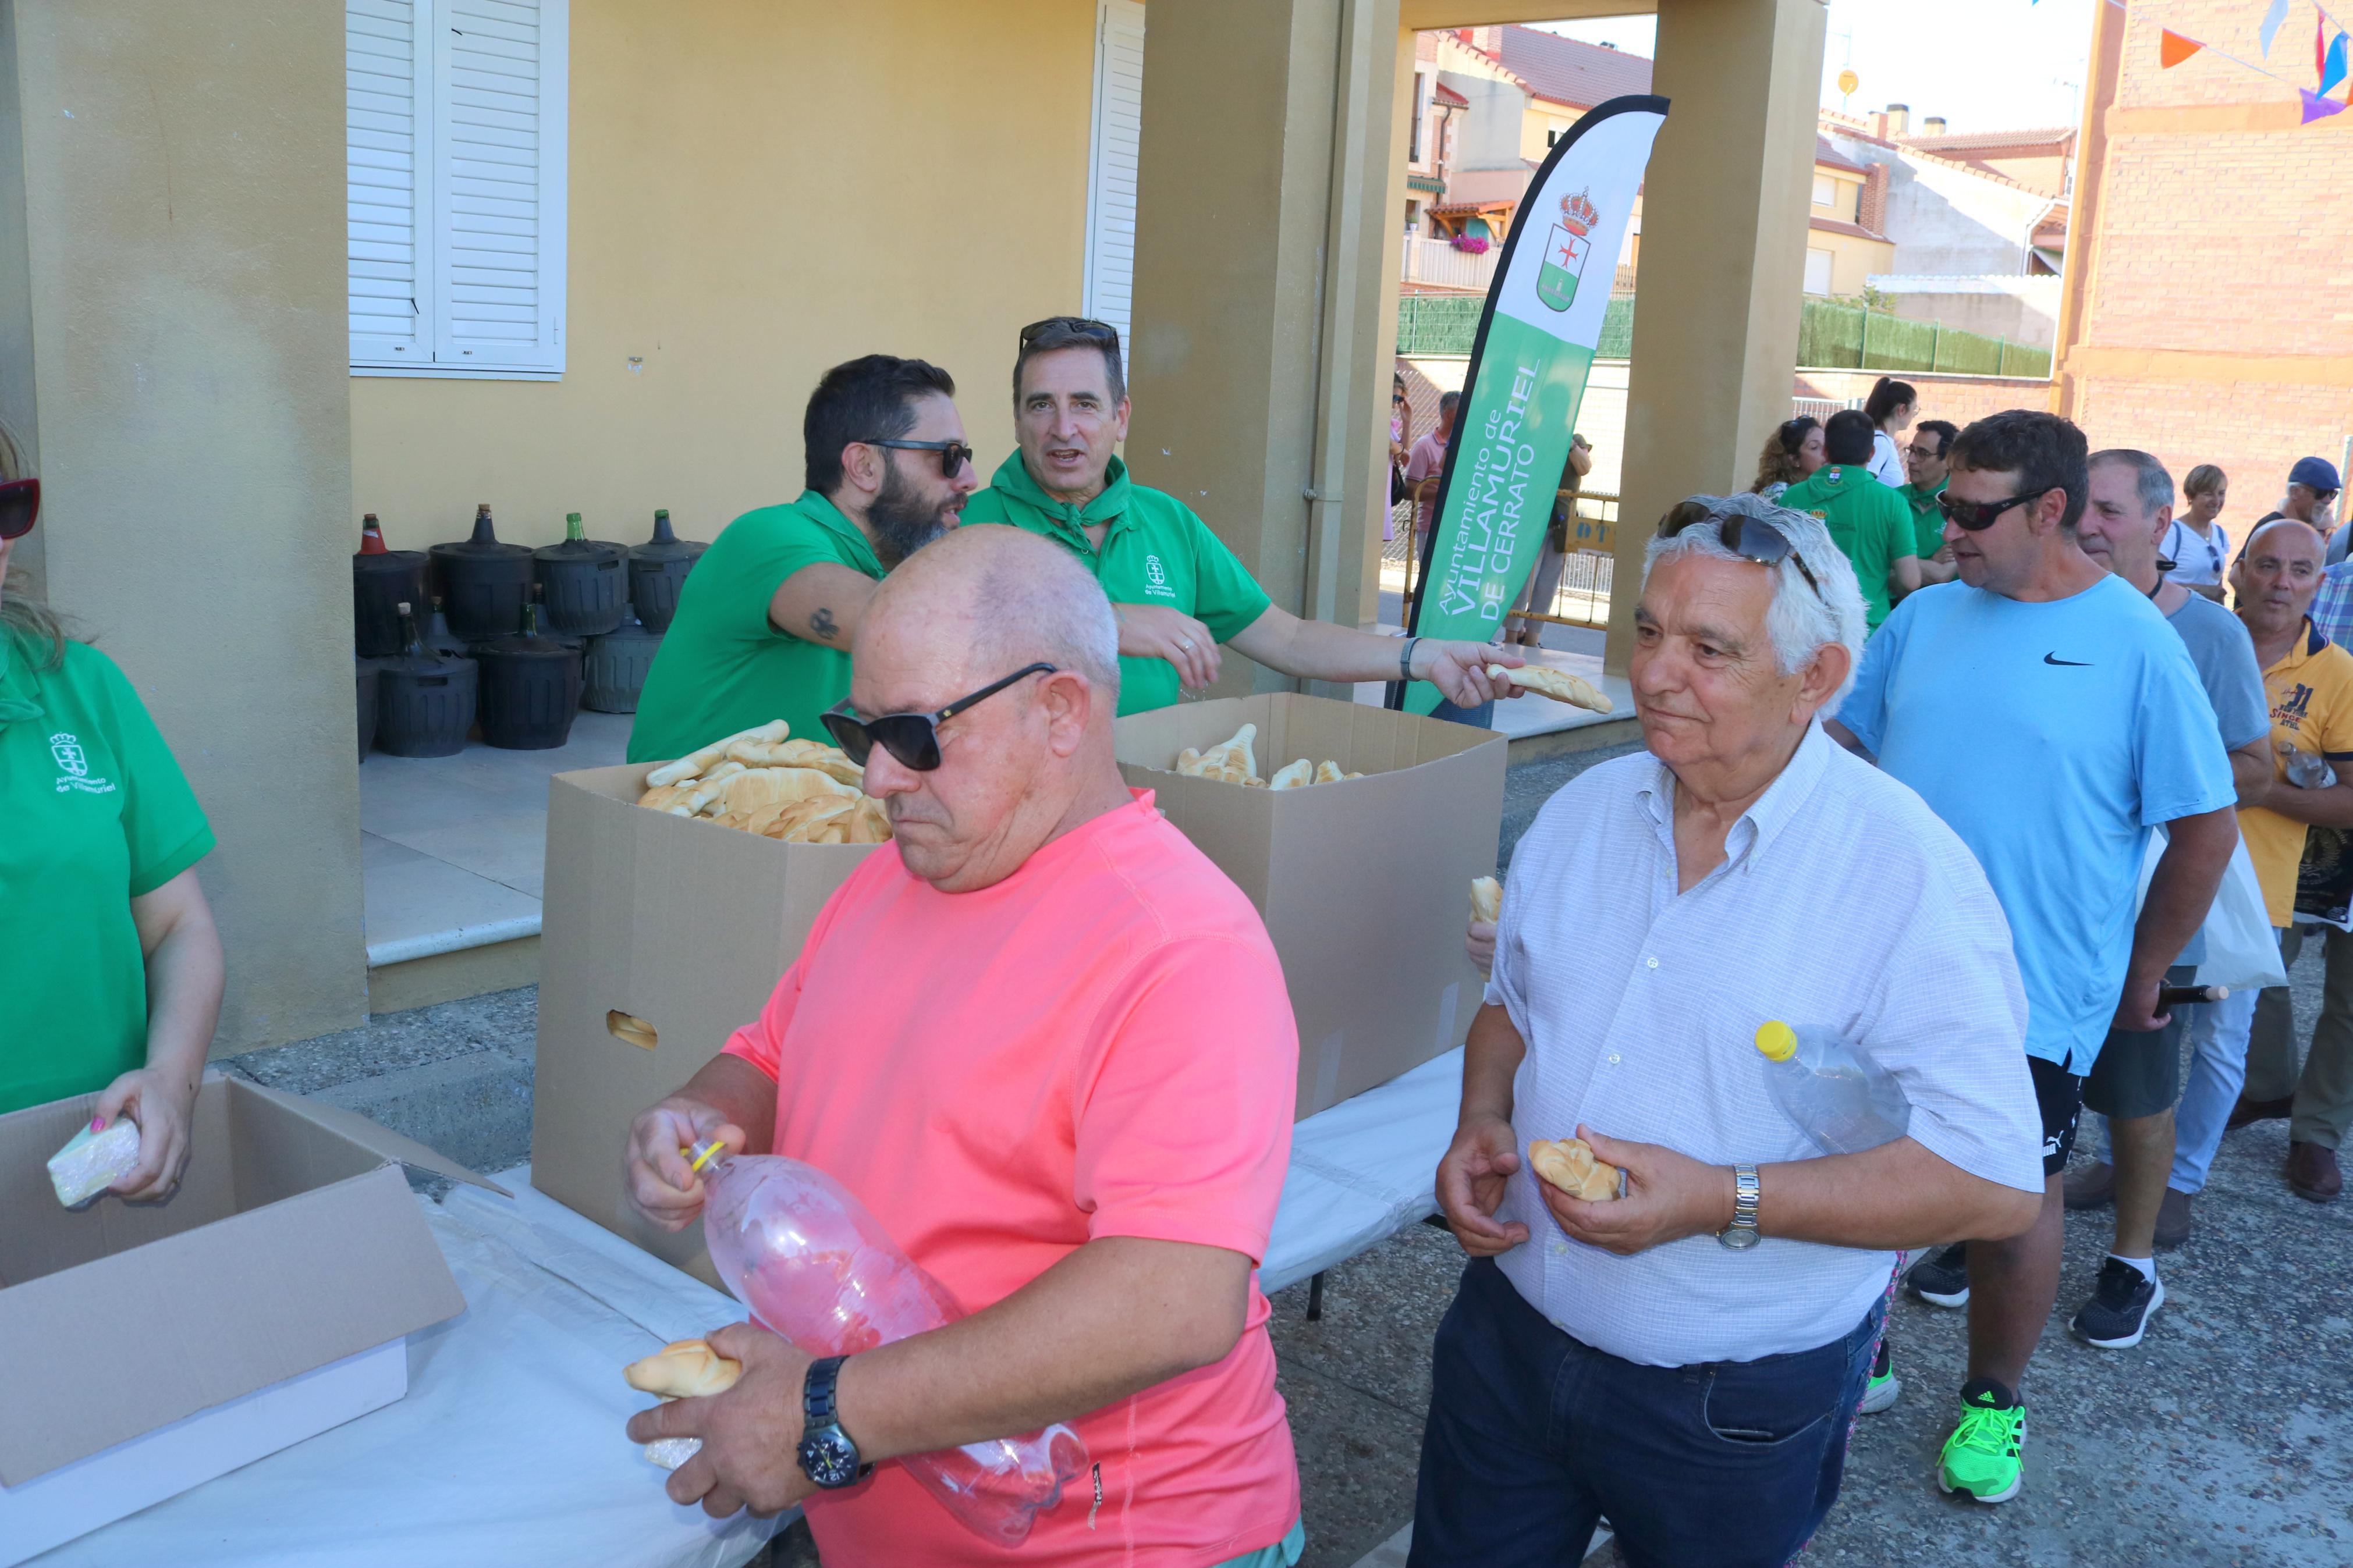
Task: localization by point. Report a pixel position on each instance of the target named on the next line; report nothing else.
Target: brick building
(2208, 313)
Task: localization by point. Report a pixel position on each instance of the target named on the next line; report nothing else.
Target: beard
(902, 520)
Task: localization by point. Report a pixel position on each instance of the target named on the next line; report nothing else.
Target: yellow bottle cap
(1776, 1040)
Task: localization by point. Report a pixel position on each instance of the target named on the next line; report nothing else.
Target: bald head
(992, 599)
(2290, 535)
(2276, 577)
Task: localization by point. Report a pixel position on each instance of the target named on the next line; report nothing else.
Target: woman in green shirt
(110, 975)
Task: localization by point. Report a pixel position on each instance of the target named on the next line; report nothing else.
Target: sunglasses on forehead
(1750, 538)
(913, 738)
(20, 507)
(1085, 327)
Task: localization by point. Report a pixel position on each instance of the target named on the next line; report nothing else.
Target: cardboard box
(679, 926)
(147, 1347)
(1364, 885)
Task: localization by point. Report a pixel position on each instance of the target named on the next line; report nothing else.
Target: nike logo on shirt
(2078, 663)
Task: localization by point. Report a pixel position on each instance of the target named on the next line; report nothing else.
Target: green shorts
(1283, 1554)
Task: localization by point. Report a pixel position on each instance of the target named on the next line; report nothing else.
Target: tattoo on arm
(822, 625)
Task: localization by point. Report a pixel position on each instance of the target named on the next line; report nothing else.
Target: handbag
(2241, 945)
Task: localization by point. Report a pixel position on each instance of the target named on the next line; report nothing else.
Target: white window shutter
(388, 183)
(457, 150)
(1110, 187)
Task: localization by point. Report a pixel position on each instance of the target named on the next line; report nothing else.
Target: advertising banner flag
(1527, 373)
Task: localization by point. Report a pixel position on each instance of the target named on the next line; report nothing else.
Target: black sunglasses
(1750, 538)
(913, 738)
(954, 455)
(20, 507)
(1077, 326)
(1977, 516)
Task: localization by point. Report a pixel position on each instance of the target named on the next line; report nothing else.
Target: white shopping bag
(2241, 948)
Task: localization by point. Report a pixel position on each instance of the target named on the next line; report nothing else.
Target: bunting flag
(2316, 107)
(2332, 65)
(2320, 46)
(2270, 29)
(2172, 48)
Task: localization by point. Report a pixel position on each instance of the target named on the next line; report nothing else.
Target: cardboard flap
(377, 1140)
(97, 1356)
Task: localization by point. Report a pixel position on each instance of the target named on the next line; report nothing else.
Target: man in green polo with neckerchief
(1177, 591)
(1928, 462)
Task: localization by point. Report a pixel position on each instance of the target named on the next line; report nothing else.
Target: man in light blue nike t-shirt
(2046, 711)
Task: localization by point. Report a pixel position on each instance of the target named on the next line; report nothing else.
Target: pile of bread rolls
(799, 792)
(1236, 762)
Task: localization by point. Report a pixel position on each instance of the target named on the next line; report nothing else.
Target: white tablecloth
(508, 1451)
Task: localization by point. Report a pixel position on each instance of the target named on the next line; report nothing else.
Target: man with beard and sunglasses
(764, 623)
(2046, 711)
(1177, 590)
(1048, 1046)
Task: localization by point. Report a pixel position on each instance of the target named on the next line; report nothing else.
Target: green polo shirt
(1156, 550)
(1927, 517)
(98, 813)
(722, 667)
(1866, 519)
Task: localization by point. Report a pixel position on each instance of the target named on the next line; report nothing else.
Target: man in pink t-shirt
(1427, 461)
(1048, 1044)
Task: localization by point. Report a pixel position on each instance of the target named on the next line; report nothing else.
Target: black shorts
(2139, 1074)
(2059, 1095)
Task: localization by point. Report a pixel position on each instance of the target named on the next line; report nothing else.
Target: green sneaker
(1880, 1390)
(1982, 1456)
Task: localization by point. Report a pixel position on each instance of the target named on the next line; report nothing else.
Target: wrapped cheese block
(90, 1161)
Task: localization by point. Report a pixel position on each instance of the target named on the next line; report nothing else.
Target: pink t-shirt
(1099, 1044)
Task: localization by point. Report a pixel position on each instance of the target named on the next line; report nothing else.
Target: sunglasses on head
(20, 507)
(913, 738)
(1977, 516)
(954, 455)
(1750, 538)
(1085, 327)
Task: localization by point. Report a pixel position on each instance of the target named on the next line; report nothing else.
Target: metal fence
(1580, 597)
(1831, 336)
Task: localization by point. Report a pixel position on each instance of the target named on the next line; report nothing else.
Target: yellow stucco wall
(760, 189)
(1853, 259)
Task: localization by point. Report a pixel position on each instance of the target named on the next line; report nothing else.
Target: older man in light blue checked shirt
(1683, 1360)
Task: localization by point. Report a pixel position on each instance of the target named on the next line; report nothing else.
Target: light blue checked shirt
(2332, 607)
(1842, 900)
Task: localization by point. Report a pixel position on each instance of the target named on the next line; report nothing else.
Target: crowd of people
(1949, 745)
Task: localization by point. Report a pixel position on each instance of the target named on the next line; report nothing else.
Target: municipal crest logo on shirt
(73, 765)
(1155, 579)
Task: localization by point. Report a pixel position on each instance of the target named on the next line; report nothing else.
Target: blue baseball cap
(2314, 473)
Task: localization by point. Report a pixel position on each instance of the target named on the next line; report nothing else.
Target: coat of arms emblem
(1566, 249)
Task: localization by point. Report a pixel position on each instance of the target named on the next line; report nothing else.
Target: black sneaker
(2123, 1302)
(1942, 1278)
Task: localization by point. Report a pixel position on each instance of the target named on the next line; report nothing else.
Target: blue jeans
(1534, 1438)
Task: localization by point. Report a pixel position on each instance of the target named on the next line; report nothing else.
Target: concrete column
(1724, 209)
(1260, 361)
(172, 305)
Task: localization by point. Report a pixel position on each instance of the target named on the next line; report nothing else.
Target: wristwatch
(827, 1457)
(1741, 1234)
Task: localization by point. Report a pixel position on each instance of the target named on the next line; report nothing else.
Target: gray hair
(1044, 605)
(2156, 486)
(1801, 621)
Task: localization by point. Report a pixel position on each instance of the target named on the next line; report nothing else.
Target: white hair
(1801, 621)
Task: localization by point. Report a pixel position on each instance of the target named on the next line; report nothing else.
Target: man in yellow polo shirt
(764, 625)
(2309, 682)
(1177, 590)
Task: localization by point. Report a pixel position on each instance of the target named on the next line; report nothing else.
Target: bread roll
(1298, 775)
(806, 821)
(683, 1369)
(692, 765)
(1329, 772)
(1568, 1164)
(1557, 684)
(756, 788)
(666, 797)
(1189, 760)
(1234, 752)
(706, 789)
(868, 822)
(1486, 900)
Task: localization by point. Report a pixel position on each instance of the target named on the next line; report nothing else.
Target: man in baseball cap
(2312, 487)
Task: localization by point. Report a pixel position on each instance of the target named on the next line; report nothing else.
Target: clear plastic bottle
(1839, 1098)
(793, 1243)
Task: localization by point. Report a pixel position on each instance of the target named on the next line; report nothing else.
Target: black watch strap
(819, 1409)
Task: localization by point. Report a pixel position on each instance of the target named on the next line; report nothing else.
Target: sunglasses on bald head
(20, 507)
(913, 738)
(1750, 538)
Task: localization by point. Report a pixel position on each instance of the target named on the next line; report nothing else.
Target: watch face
(828, 1458)
(1739, 1238)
